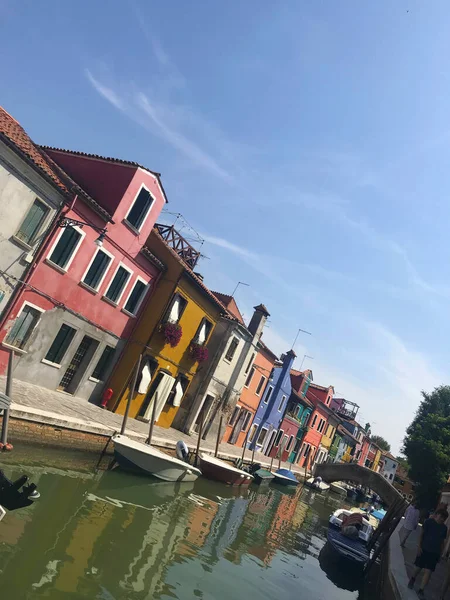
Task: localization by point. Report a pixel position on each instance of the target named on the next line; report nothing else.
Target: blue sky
(307, 142)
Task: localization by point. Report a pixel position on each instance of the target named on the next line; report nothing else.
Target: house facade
(180, 303)
(320, 397)
(288, 441)
(216, 390)
(389, 468)
(68, 324)
(32, 192)
(254, 387)
(271, 409)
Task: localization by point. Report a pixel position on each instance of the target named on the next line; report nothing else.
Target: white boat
(319, 486)
(338, 489)
(338, 516)
(137, 456)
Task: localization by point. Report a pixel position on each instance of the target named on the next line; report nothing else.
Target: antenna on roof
(296, 337)
(303, 360)
(238, 284)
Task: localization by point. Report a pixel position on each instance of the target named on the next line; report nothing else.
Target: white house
(389, 468)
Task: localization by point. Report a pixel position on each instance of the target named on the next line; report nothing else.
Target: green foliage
(380, 442)
(403, 462)
(427, 446)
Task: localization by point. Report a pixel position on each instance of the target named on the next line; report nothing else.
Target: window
(60, 344)
(65, 248)
(250, 362)
(104, 362)
(261, 436)
(321, 425)
(136, 297)
(314, 421)
(97, 269)
(252, 433)
(284, 442)
(280, 408)
(250, 377)
(118, 283)
(140, 209)
(203, 332)
(289, 446)
(234, 416)
(176, 309)
(32, 223)
(260, 385)
(247, 418)
(391, 476)
(268, 395)
(24, 325)
(232, 349)
(278, 438)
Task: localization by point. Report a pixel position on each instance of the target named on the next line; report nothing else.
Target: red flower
(172, 333)
(200, 353)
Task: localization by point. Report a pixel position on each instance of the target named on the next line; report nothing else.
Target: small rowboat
(285, 477)
(263, 475)
(338, 489)
(316, 485)
(219, 470)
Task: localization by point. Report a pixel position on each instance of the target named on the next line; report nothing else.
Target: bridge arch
(361, 475)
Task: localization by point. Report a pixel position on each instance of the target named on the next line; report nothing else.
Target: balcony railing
(177, 242)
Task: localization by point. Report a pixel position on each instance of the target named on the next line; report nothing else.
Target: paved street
(39, 404)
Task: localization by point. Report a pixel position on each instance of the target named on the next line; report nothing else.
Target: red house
(89, 277)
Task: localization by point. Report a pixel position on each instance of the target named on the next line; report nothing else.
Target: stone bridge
(359, 475)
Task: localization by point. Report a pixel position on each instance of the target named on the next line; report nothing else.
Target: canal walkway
(70, 413)
(401, 564)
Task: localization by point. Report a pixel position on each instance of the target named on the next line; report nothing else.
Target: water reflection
(115, 536)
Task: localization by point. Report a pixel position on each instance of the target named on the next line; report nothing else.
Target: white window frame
(246, 420)
(262, 443)
(250, 435)
(147, 287)
(42, 227)
(69, 262)
(148, 212)
(289, 444)
(99, 285)
(269, 394)
(248, 375)
(237, 408)
(26, 303)
(230, 361)
(280, 433)
(314, 421)
(283, 400)
(58, 365)
(131, 273)
(262, 386)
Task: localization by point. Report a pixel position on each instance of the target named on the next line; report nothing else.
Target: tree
(427, 446)
(380, 442)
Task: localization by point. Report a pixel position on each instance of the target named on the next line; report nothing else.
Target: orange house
(257, 371)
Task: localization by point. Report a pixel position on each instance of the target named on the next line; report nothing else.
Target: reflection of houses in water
(199, 522)
(224, 529)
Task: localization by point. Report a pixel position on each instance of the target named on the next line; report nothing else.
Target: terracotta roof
(301, 398)
(193, 276)
(231, 306)
(320, 387)
(14, 135)
(120, 161)
(152, 258)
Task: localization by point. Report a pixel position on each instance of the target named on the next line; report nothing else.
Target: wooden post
(152, 420)
(271, 463)
(8, 391)
(280, 453)
(216, 451)
(130, 396)
(245, 445)
(200, 431)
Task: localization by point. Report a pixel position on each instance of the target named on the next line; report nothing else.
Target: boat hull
(347, 549)
(139, 457)
(218, 470)
(263, 476)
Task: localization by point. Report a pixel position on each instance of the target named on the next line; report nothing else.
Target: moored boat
(319, 486)
(219, 470)
(285, 477)
(338, 489)
(139, 457)
(337, 518)
(348, 549)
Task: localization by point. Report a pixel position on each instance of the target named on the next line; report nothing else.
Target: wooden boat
(262, 476)
(140, 457)
(285, 477)
(219, 470)
(318, 486)
(338, 489)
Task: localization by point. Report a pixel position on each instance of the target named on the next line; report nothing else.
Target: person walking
(429, 551)
(412, 515)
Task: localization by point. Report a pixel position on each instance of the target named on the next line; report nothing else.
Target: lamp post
(67, 222)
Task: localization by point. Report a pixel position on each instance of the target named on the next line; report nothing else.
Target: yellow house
(180, 303)
(376, 460)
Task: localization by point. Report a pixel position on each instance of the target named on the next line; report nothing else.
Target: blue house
(273, 406)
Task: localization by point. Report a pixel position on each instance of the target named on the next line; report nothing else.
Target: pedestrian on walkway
(431, 546)
(412, 515)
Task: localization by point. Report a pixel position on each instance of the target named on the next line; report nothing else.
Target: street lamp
(67, 222)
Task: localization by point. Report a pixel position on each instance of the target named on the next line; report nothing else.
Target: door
(207, 405)
(163, 389)
(238, 426)
(269, 447)
(293, 455)
(78, 365)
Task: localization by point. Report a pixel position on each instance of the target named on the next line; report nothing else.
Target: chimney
(258, 321)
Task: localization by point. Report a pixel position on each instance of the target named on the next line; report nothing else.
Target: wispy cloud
(105, 91)
(222, 243)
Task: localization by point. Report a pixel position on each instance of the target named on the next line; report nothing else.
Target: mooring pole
(130, 396)
(8, 391)
(216, 451)
(200, 431)
(152, 420)
(245, 446)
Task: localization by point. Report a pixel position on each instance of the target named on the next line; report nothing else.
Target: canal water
(115, 536)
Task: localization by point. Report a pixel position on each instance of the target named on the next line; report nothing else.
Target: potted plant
(199, 352)
(172, 333)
